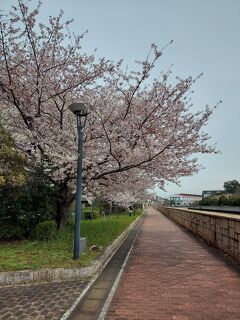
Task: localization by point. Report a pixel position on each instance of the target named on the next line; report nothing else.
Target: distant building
(159, 200)
(185, 199)
(208, 193)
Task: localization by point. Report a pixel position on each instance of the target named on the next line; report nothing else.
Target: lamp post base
(82, 247)
(83, 244)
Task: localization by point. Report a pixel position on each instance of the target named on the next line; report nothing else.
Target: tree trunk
(92, 211)
(110, 208)
(63, 203)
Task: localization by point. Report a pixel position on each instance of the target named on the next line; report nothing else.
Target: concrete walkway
(173, 276)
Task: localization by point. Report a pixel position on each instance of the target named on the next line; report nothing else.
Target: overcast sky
(206, 38)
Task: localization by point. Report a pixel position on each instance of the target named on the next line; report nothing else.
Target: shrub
(88, 215)
(12, 163)
(236, 202)
(27, 205)
(208, 202)
(46, 230)
(223, 200)
(11, 232)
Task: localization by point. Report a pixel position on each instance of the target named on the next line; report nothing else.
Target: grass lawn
(57, 253)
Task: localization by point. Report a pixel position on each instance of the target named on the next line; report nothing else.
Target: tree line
(230, 196)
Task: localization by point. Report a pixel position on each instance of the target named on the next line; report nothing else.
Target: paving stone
(5, 316)
(39, 301)
(171, 275)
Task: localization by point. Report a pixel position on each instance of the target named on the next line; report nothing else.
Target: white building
(185, 199)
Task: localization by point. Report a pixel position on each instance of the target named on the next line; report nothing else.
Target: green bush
(208, 202)
(70, 223)
(11, 232)
(236, 202)
(223, 200)
(46, 230)
(88, 215)
(27, 205)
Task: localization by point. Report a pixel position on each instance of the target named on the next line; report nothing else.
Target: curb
(61, 274)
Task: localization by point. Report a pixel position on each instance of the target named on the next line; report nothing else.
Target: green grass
(57, 253)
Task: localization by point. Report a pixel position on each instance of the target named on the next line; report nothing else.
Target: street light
(80, 110)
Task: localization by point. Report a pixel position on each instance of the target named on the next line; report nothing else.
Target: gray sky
(206, 37)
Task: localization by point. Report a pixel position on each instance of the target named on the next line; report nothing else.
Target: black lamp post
(80, 110)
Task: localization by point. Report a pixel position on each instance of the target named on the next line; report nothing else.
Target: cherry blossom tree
(127, 188)
(43, 71)
(139, 133)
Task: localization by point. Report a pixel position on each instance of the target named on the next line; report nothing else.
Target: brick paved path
(172, 276)
(38, 302)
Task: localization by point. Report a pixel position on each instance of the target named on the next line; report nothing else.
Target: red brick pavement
(173, 276)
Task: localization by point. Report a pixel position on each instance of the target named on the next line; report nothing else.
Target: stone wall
(218, 229)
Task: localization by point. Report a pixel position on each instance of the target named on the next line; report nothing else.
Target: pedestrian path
(171, 275)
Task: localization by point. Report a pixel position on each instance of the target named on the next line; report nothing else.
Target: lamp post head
(80, 110)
